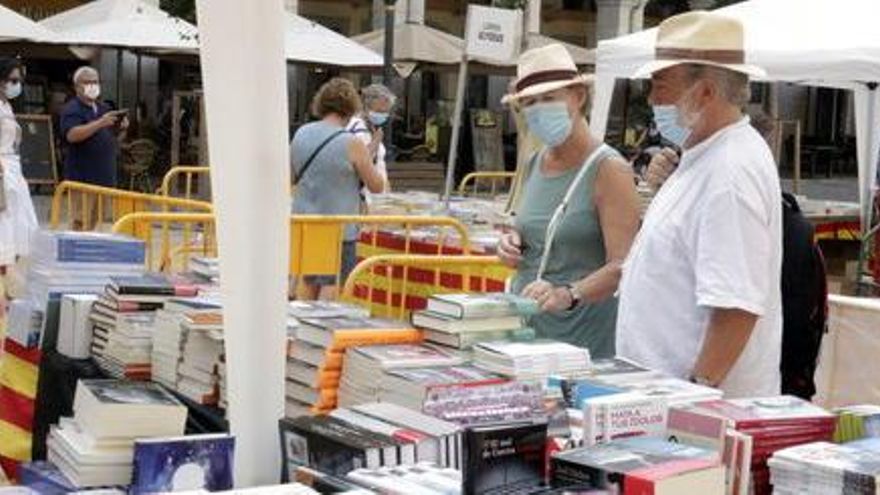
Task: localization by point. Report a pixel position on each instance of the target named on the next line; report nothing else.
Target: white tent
(16, 27)
(123, 24)
(309, 42)
(832, 43)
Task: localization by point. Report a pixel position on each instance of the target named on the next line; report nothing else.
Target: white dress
(18, 220)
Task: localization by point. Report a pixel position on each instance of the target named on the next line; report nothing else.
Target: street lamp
(388, 72)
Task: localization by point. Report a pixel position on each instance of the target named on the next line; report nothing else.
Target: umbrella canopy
(16, 27)
(123, 24)
(302, 36)
(581, 56)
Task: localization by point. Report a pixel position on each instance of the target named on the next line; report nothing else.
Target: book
(88, 247)
(325, 309)
(322, 482)
(311, 376)
(116, 408)
(504, 457)
(463, 306)
(423, 479)
(693, 427)
(639, 465)
(44, 478)
(770, 411)
(411, 387)
(447, 324)
(316, 356)
(468, 340)
(823, 467)
(610, 417)
(532, 360)
(149, 284)
(620, 370)
(321, 398)
(326, 444)
(183, 463)
(344, 332)
(575, 392)
(674, 390)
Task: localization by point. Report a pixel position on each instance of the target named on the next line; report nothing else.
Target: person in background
(90, 131)
(700, 296)
(378, 102)
(328, 166)
(18, 219)
(578, 213)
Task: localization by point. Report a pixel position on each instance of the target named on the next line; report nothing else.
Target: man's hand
(661, 167)
(109, 119)
(124, 124)
(510, 248)
(550, 298)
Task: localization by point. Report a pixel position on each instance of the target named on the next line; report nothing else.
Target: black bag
(804, 301)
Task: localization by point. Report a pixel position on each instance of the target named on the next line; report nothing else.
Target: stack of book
(462, 320)
(773, 424)
(674, 390)
(532, 360)
(367, 436)
(508, 457)
(123, 322)
(24, 325)
(169, 334)
(857, 422)
(96, 446)
(639, 465)
(208, 268)
(822, 468)
(316, 356)
(198, 373)
(366, 368)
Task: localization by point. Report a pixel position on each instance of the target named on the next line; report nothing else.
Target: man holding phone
(90, 131)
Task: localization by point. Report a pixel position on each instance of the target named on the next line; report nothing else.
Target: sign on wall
(493, 34)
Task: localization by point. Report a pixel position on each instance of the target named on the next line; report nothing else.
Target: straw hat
(700, 37)
(544, 69)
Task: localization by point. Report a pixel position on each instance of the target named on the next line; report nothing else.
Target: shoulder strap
(559, 213)
(297, 176)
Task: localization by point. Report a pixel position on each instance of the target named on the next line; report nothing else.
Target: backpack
(804, 301)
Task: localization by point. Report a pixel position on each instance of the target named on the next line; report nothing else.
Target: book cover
(148, 284)
(500, 458)
(406, 356)
(481, 305)
(122, 392)
(759, 412)
(575, 392)
(198, 462)
(344, 332)
(693, 427)
(325, 444)
(448, 324)
(326, 309)
(619, 368)
(611, 417)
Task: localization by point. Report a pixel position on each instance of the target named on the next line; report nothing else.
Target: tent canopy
(420, 44)
(123, 24)
(16, 27)
(816, 42)
(302, 36)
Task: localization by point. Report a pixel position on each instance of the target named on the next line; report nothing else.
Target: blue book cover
(197, 462)
(577, 392)
(98, 248)
(44, 478)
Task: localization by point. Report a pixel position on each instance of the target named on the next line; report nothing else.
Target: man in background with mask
(700, 294)
(378, 101)
(89, 130)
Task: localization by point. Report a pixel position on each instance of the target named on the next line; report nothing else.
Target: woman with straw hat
(578, 213)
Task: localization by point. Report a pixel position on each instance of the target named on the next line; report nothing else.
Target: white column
(250, 177)
(291, 6)
(618, 17)
(533, 16)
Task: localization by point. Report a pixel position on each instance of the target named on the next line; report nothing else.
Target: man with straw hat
(700, 294)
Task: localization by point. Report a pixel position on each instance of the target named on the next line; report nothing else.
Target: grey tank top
(577, 250)
(330, 185)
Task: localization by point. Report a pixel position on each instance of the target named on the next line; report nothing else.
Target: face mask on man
(378, 119)
(675, 122)
(12, 90)
(549, 121)
(92, 91)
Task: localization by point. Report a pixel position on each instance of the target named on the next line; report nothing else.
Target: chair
(140, 156)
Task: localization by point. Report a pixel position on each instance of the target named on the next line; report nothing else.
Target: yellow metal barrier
(87, 206)
(493, 177)
(314, 238)
(171, 181)
(390, 285)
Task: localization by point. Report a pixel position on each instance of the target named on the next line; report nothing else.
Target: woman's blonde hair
(337, 96)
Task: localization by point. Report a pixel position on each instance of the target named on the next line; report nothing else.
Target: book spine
(342, 340)
(564, 473)
(320, 450)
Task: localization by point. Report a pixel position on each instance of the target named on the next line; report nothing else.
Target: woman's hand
(549, 298)
(510, 248)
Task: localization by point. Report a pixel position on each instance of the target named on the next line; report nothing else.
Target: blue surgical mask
(668, 121)
(378, 119)
(12, 90)
(549, 121)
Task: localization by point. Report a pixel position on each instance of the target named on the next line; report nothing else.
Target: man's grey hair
(376, 92)
(84, 71)
(733, 85)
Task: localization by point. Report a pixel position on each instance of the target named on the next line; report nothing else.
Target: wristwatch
(575, 296)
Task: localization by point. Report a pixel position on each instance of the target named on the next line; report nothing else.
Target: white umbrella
(16, 27)
(581, 56)
(123, 24)
(309, 42)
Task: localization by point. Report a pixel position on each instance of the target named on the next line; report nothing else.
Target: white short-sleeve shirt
(712, 238)
(359, 128)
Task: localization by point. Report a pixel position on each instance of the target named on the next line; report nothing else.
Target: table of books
(421, 283)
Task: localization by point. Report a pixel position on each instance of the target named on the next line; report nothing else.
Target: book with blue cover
(90, 247)
(196, 462)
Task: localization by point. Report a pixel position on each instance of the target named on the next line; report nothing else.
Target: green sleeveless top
(578, 249)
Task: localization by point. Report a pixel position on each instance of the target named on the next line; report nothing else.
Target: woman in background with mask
(368, 126)
(17, 217)
(579, 211)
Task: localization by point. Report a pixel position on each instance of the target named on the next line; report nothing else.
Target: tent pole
(119, 78)
(868, 233)
(456, 128)
(137, 93)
